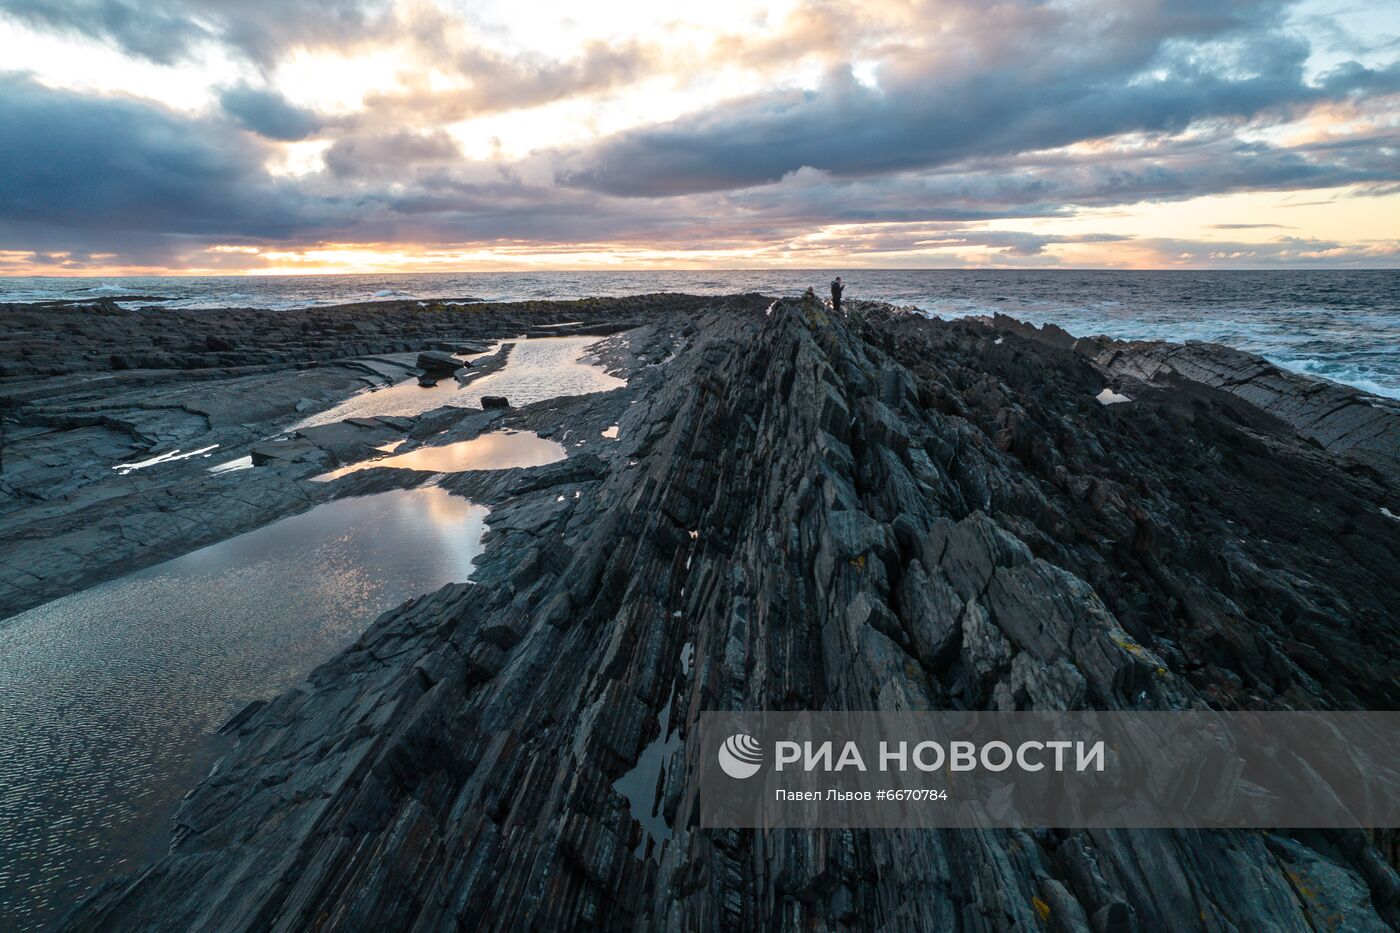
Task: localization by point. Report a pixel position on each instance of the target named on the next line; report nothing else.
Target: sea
(1342, 325)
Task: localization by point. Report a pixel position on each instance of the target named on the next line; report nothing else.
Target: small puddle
(169, 457)
(1109, 397)
(109, 697)
(539, 368)
(242, 463)
(498, 450)
(641, 785)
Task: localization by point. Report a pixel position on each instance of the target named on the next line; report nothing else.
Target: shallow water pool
(498, 450)
(109, 697)
(538, 368)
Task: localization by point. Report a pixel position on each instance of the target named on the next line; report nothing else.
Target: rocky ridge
(805, 511)
(1340, 420)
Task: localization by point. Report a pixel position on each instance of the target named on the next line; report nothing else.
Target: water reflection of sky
(107, 696)
(538, 368)
(495, 451)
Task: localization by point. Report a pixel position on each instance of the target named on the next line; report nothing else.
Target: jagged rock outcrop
(806, 511)
(1339, 419)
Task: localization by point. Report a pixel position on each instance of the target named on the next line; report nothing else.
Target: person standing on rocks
(837, 287)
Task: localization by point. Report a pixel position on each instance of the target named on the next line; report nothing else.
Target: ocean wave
(1336, 371)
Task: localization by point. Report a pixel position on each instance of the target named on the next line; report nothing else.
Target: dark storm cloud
(81, 174)
(1153, 68)
(1046, 184)
(851, 130)
(95, 164)
(157, 31)
(166, 31)
(267, 113)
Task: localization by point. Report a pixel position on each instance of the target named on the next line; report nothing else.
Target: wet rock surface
(88, 388)
(809, 511)
(436, 363)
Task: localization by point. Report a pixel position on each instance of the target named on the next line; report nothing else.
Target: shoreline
(1246, 318)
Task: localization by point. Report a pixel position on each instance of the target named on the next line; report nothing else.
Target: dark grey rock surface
(436, 363)
(1341, 420)
(85, 388)
(806, 511)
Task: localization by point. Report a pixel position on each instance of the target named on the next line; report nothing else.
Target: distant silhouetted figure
(836, 289)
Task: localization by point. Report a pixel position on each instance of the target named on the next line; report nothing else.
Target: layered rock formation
(1340, 420)
(804, 511)
(87, 388)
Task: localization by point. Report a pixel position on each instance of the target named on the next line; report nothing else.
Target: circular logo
(740, 756)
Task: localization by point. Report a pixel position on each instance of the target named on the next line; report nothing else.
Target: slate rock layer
(813, 511)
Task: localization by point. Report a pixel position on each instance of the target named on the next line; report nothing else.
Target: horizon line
(760, 269)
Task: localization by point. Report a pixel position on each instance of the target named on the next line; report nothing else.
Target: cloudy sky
(150, 136)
